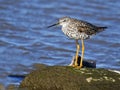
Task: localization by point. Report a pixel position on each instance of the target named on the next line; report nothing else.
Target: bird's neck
(64, 25)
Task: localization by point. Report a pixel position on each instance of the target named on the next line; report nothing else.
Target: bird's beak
(53, 25)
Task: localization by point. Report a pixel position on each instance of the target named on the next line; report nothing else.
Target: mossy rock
(68, 78)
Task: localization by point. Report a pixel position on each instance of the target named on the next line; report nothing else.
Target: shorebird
(78, 30)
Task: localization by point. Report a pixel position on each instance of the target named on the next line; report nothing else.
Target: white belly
(74, 34)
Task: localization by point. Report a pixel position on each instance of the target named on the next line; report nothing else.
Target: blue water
(24, 40)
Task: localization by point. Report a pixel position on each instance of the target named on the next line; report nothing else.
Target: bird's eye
(64, 20)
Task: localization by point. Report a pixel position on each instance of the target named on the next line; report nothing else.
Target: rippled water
(24, 41)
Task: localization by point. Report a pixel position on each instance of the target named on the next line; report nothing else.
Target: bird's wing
(89, 30)
(83, 26)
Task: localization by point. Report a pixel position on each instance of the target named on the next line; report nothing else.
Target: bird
(78, 30)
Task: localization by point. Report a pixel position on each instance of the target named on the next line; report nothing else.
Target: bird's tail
(100, 29)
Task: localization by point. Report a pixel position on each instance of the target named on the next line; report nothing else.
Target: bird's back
(86, 27)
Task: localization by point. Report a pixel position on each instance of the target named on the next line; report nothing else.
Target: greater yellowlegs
(78, 30)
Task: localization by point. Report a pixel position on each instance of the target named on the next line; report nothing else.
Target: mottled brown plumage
(80, 29)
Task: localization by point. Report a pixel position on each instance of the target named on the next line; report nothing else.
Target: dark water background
(24, 41)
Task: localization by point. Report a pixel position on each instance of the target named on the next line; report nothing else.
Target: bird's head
(62, 21)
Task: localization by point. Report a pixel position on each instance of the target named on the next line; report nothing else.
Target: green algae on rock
(68, 78)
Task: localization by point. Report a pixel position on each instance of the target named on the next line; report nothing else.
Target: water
(24, 41)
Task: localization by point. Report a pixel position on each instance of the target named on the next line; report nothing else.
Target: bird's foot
(79, 67)
(74, 66)
(73, 62)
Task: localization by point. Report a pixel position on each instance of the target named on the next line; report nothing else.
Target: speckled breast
(74, 34)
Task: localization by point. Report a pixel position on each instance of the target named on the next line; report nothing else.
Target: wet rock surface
(68, 78)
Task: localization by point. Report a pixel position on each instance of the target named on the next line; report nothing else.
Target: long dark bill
(53, 25)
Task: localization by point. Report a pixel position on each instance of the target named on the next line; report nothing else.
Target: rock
(12, 87)
(2, 87)
(68, 78)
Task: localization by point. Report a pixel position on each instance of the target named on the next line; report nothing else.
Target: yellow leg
(82, 56)
(77, 52)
